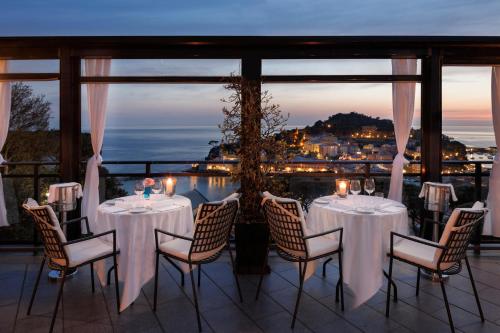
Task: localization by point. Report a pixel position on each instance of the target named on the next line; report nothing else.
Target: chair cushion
(418, 253)
(179, 248)
(84, 251)
(320, 245)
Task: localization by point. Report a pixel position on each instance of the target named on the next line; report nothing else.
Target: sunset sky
(466, 91)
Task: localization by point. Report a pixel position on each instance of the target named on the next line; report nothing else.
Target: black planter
(252, 241)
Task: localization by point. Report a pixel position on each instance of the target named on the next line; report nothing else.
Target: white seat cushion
(81, 252)
(320, 245)
(179, 248)
(420, 254)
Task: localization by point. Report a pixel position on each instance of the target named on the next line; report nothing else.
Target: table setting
(135, 218)
(367, 221)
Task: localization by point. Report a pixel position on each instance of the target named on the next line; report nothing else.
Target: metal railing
(367, 170)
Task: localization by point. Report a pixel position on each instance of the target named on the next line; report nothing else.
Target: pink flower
(148, 182)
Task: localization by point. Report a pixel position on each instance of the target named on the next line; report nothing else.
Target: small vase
(147, 192)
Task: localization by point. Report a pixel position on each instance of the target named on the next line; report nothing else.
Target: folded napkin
(116, 209)
(427, 184)
(167, 208)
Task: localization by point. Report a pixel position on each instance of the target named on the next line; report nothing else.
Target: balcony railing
(367, 170)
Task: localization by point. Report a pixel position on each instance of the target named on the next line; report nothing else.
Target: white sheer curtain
(492, 220)
(97, 100)
(403, 102)
(4, 130)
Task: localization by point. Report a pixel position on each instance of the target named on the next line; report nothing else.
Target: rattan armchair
(63, 255)
(287, 229)
(443, 258)
(213, 224)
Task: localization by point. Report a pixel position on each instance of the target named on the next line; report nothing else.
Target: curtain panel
(97, 100)
(5, 96)
(492, 219)
(403, 104)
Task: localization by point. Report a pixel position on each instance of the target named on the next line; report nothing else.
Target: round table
(367, 222)
(135, 236)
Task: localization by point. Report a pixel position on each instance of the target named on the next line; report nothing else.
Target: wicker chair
(213, 224)
(441, 258)
(287, 229)
(63, 255)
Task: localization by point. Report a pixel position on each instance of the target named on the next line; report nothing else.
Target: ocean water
(162, 144)
(191, 143)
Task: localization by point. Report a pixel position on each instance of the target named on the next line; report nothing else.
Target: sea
(192, 143)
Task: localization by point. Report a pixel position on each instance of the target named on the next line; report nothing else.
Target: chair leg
(259, 285)
(389, 279)
(341, 281)
(195, 297)
(475, 290)
(117, 290)
(235, 274)
(92, 276)
(418, 282)
(448, 311)
(108, 281)
(177, 268)
(324, 265)
(155, 300)
(59, 294)
(302, 274)
(36, 285)
(393, 284)
(199, 276)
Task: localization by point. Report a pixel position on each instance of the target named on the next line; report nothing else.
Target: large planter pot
(252, 241)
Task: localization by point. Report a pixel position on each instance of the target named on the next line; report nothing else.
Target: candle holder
(169, 186)
(342, 187)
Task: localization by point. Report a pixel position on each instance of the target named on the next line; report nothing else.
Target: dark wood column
(431, 114)
(252, 235)
(70, 125)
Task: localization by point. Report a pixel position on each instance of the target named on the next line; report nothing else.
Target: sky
(465, 90)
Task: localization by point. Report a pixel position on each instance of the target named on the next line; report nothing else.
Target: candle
(342, 188)
(169, 187)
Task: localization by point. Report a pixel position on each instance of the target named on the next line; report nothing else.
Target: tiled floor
(82, 311)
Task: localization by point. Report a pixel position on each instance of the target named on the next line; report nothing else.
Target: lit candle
(342, 188)
(169, 187)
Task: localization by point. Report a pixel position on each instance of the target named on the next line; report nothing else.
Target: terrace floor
(222, 312)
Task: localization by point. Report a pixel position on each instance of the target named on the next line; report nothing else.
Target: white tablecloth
(366, 238)
(136, 240)
(54, 191)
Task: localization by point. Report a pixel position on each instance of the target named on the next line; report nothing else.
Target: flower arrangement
(148, 184)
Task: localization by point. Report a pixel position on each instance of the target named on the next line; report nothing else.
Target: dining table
(135, 219)
(367, 222)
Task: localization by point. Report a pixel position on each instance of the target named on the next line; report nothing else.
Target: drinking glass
(139, 189)
(355, 186)
(379, 194)
(369, 185)
(157, 187)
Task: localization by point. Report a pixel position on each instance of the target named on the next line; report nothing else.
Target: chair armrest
(92, 237)
(324, 233)
(416, 240)
(157, 231)
(79, 220)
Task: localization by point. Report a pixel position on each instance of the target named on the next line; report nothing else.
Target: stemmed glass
(139, 189)
(355, 187)
(369, 185)
(157, 187)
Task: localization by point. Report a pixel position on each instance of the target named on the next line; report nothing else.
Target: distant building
(329, 150)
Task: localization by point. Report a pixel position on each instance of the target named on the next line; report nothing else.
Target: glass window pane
(173, 67)
(33, 66)
(328, 67)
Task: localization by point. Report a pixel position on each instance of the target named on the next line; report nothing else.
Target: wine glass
(369, 185)
(157, 187)
(355, 186)
(139, 189)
